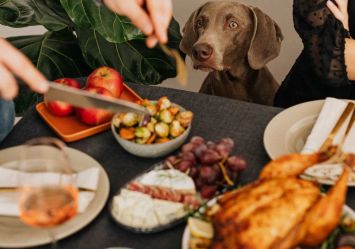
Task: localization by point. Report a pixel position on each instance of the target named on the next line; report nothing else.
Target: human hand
(340, 11)
(13, 62)
(153, 21)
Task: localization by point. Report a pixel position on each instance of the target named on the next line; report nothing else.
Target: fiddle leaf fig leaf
(55, 54)
(131, 58)
(114, 28)
(23, 13)
(135, 62)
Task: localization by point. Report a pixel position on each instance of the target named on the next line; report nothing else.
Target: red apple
(91, 116)
(59, 108)
(107, 78)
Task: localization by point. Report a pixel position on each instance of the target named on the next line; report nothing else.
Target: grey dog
(234, 42)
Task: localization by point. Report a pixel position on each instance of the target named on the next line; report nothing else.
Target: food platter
(114, 208)
(15, 234)
(70, 129)
(347, 211)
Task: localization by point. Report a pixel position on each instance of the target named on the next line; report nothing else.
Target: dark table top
(215, 118)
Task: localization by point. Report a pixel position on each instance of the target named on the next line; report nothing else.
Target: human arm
(340, 11)
(350, 58)
(324, 39)
(14, 63)
(150, 16)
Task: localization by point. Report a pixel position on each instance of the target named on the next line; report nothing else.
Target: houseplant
(82, 36)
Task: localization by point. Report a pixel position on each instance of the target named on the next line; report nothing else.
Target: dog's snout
(202, 52)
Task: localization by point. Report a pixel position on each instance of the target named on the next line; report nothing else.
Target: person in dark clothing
(326, 66)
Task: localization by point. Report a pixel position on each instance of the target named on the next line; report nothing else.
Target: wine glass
(47, 185)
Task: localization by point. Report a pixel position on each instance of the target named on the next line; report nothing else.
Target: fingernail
(164, 39)
(150, 44)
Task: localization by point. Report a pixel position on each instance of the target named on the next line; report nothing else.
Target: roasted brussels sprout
(153, 120)
(150, 126)
(166, 116)
(130, 119)
(152, 109)
(176, 129)
(162, 129)
(164, 103)
(185, 118)
(142, 132)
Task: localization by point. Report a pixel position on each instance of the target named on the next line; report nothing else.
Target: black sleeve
(323, 37)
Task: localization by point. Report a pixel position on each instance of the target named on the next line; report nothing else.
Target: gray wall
(279, 10)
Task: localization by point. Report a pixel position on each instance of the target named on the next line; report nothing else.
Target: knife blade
(85, 99)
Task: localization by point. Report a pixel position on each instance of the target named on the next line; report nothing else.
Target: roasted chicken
(279, 211)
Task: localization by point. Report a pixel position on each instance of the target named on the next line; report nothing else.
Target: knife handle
(329, 140)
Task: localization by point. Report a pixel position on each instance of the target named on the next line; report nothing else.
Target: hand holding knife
(85, 99)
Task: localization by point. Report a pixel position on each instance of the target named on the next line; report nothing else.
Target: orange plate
(70, 129)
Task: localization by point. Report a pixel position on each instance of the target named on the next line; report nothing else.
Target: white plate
(287, 133)
(15, 234)
(186, 236)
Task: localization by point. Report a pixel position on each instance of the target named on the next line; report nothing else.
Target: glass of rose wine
(47, 185)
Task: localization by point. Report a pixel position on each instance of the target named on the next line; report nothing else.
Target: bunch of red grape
(208, 163)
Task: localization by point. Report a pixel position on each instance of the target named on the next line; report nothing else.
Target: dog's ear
(266, 40)
(189, 34)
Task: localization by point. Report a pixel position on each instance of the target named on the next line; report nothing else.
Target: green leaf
(55, 54)
(23, 13)
(329, 243)
(114, 28)
(132, 59)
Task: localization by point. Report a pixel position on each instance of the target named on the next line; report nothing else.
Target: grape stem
(170, 165)
(188, 171)
(176, 162)
(225, 175)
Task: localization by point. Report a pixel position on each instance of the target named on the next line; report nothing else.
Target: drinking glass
(47, 185)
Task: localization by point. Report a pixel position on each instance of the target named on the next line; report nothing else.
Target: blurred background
(279, 10)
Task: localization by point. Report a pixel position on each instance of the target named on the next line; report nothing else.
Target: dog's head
(221, 35)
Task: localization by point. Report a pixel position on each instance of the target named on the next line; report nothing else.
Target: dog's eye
(199, 23)
(233, 25)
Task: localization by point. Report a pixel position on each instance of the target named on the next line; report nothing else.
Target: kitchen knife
(85, 99)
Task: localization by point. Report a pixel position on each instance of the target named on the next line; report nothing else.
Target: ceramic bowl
(151, 150)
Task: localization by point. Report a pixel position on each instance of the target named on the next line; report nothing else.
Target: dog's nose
(202, 52)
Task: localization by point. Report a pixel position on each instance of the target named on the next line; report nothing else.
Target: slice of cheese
(134, 209)
(139, 210)
(168, 211)
(170, 179)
